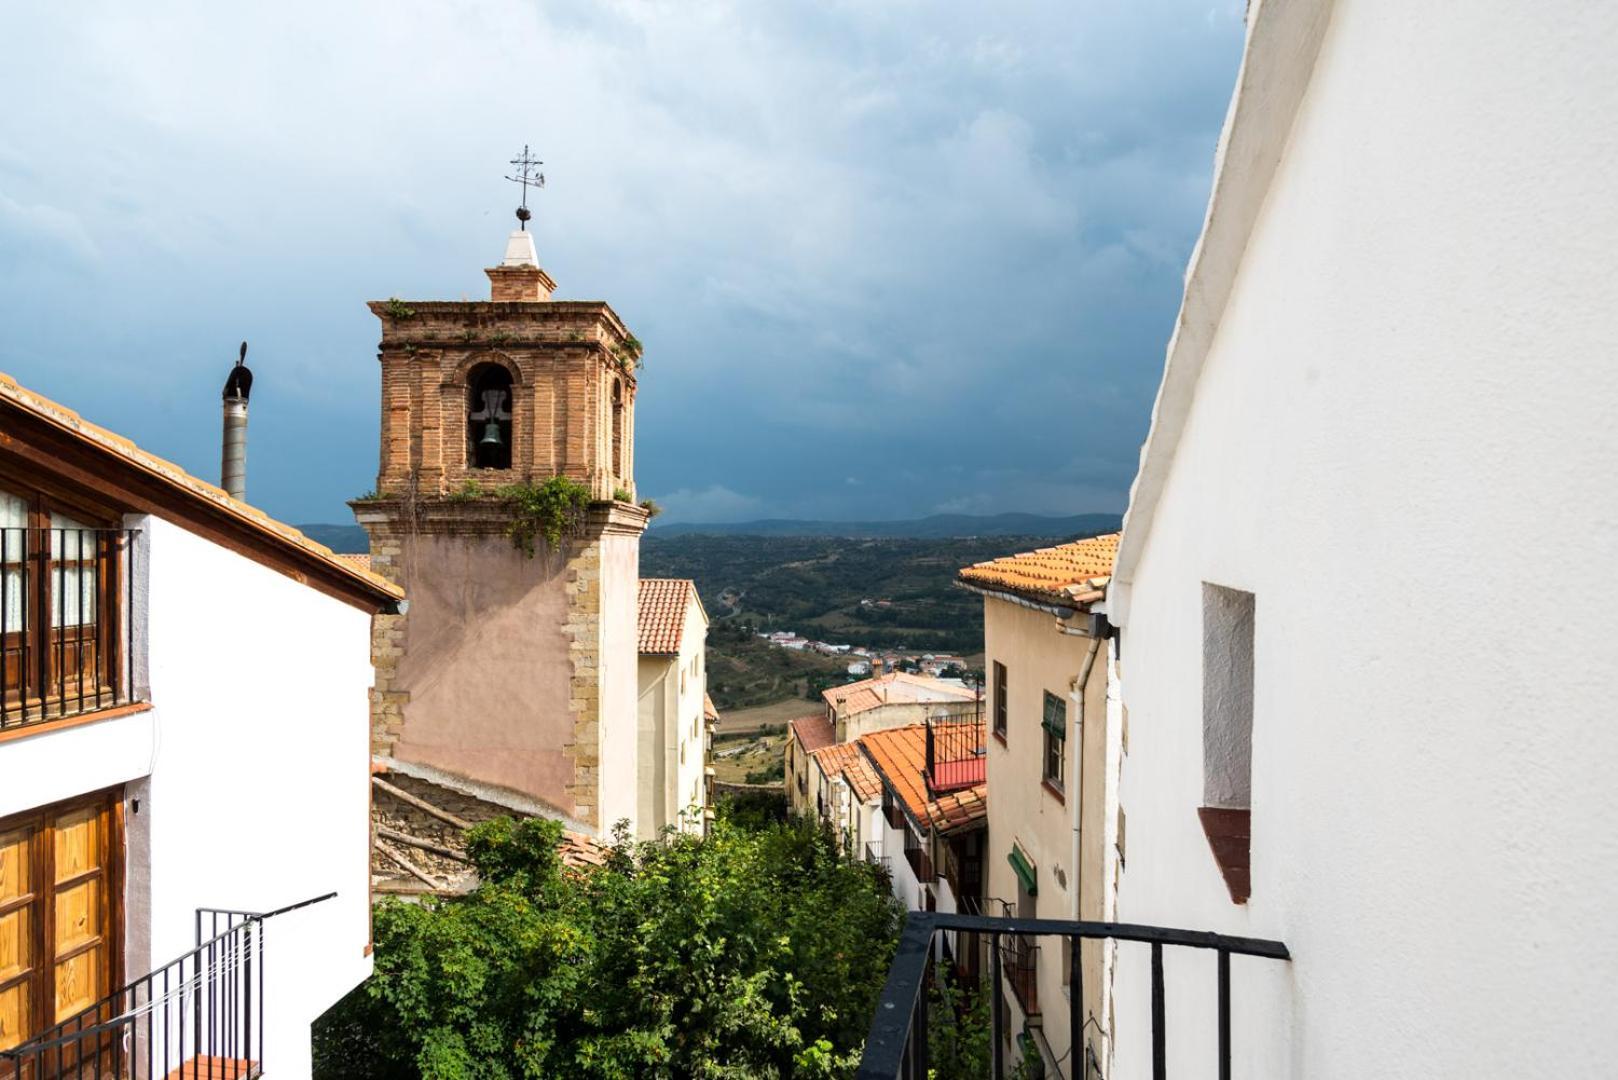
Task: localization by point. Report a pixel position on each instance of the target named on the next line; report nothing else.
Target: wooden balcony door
(61, 917)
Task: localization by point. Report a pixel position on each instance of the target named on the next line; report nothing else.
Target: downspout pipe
(233, 445)
(1081, 686)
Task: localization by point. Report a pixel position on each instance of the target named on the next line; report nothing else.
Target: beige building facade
(1046, 664)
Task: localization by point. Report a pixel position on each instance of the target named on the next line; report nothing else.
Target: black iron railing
(877, 859)
(198, 1016)
(65, 601)
(896, 1048)
(956, 753)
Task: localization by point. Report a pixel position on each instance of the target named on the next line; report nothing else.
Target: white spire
(520, 250)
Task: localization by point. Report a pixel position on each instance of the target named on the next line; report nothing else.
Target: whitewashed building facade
(1366, 590)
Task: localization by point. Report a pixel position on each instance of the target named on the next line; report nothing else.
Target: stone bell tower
(507, 669)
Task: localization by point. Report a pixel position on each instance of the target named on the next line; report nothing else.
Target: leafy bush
(548, 510)
(749, 953)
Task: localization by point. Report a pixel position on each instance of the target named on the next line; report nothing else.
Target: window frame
(1000, 708)
(1055, 742)
(43, 684)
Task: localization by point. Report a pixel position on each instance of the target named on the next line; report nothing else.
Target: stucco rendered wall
(485, 667)
(1023, 810)
(1402, 442)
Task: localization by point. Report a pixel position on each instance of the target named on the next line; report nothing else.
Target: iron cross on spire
(528, 175)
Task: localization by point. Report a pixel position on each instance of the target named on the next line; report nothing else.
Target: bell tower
(507, 668)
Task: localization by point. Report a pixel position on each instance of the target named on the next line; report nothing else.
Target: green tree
(749, 953)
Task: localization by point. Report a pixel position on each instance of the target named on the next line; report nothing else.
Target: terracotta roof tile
(661, 620)
(814, 732)
(172, 476)
(710, 711)
(894, 687)
(900, 757)
(845, 760)
(1069, 574)
(361, 561)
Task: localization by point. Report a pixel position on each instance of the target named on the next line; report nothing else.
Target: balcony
(956, 753)
(878, 860)
(198, 1017)
(897, 1046)
(65, 595)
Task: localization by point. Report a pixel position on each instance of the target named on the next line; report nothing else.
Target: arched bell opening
(488, 417)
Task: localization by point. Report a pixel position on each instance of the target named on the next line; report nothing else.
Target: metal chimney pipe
(233, 451)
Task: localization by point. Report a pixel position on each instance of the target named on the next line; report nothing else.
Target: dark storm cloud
(930, 248)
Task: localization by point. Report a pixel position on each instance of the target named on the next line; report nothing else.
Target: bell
(491, 437)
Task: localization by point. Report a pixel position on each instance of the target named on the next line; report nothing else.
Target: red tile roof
(900, 758)
(361, 561)
(1069, 574)
(710, 711)
(198, 493)
(661, 621)
(845, 760)
(892, 688)
(813, 732)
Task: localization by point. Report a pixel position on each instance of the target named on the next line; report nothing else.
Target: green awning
(1025, 870)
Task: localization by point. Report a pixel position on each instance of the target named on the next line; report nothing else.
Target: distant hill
(343, 539)
(937, 527)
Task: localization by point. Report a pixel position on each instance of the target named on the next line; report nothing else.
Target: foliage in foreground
(751, 953)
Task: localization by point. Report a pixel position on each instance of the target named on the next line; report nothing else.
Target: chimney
(233, 453)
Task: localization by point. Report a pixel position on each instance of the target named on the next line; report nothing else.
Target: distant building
(892, 700)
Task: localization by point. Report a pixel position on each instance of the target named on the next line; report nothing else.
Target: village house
(931, 830)
(1050, 752)
(184, 825)
(853, 710)
(674, 729)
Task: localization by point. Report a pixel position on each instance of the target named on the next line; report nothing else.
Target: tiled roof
(361, 561)
(900, 757)
(845, 760)
(710, 711)
(177, 479)
(661, 622)
(814, 732)
(893, 688)
(1068, 574)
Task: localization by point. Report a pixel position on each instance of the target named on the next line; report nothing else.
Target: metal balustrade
(199, 1016)
(897, 1046)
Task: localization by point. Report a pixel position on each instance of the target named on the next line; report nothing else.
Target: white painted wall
(673, 738)
(260, 792)
(252, 773)
(1402, 443)
(618, 726)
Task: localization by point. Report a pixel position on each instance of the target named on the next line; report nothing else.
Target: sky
(888, 258)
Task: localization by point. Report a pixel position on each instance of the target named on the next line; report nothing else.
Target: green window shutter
(1055, 720)
(1024, 870)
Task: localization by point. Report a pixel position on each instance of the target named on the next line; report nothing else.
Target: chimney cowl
(239, 383)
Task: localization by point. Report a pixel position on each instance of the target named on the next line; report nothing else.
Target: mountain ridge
(933, 527)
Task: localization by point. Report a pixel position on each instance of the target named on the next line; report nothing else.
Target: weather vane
(528, 175)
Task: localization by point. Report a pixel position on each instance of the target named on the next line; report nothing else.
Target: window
(1000, 699)
(1227, 731)
(488, 417)
(59, 614)
(60, 915)
(1054, 722)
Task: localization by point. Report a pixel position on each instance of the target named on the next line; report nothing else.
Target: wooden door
(61, 922)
